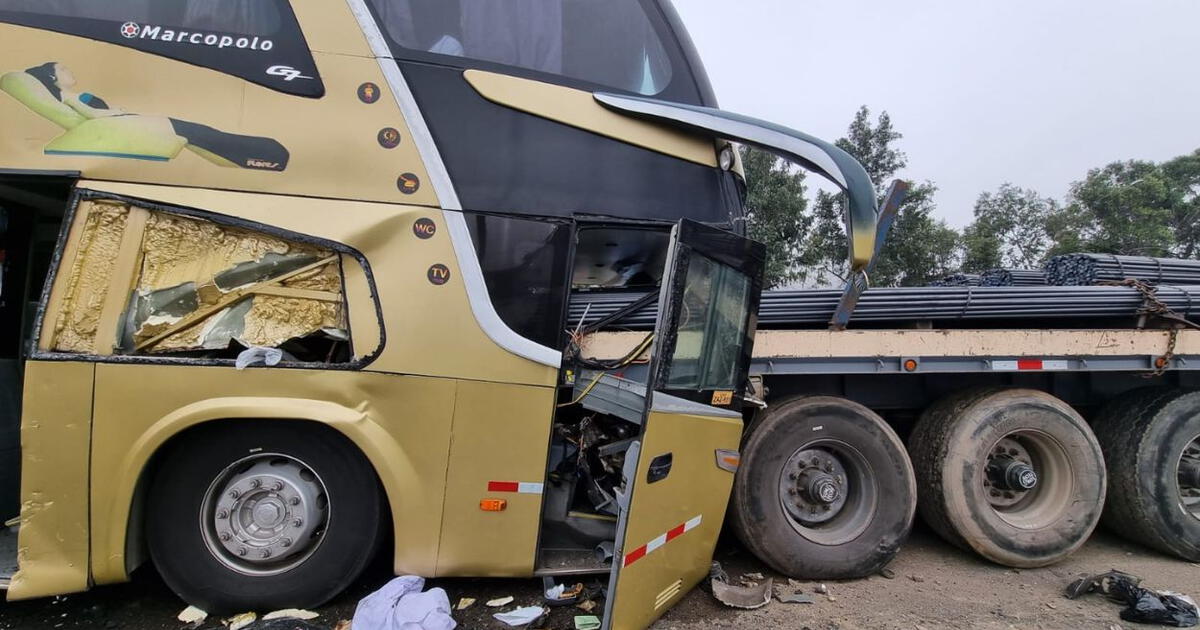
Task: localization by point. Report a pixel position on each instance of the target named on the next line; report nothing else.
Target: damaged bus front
(285, 284)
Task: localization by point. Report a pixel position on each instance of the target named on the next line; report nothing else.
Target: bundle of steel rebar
(1091, 269)
(958, 280)
(1013, 278)
(900, 305)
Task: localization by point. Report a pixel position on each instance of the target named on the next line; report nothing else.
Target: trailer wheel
(825, 490)
(1015, 475)
(1151, 442)
(261, 516)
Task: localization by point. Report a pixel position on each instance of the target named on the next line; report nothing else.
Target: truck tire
(825, 490)
(289, 515)
(1015, 475)
(1151, 441)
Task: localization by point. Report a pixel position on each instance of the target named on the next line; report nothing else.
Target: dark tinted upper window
(608, 42)
(257, 40)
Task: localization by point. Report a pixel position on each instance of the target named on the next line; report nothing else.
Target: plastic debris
(258, 355)
(521, 616)
(587, 605)
(822, 589)
(465, 603)
(291, 613)
(753, 577)
(237, 622)
(502, 601)
(1143, 605)
(587, 622)
(191, 614)
(746, 597)
(400, 605)
(560, 594)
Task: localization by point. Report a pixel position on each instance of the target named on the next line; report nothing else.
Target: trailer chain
(1154, 307)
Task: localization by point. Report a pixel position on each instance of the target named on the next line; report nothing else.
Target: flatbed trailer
(1016, 442)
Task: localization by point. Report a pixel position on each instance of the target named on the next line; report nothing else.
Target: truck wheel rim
(828, 492)
(1188, 473)
(1028, 479)
(264, 514)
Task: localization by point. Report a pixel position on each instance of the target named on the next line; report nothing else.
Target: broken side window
(198, 289)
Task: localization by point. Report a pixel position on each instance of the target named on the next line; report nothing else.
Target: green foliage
(776, 212)
(1009, 230)
(918, 249)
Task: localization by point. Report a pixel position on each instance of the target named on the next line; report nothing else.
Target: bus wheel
(825, 490)
(262, 515)
(1151, 442)
(1015, 475)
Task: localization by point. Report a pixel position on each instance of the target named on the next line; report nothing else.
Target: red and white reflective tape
(1021, 365)
(521, 487)
(675, 532)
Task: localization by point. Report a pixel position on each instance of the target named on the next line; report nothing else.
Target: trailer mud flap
(671, 513)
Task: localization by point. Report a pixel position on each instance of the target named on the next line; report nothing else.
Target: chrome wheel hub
(264, 514)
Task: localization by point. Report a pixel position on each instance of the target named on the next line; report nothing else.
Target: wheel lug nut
(816, 462)
(294, 501)
(792, 491)
(277, 486)
(266, 553)
(254, 483)
(242, 551)
(793, 476)
(235, 493)
(225, 536)
(286, 542)
(828, 467)
(297, 522)
(222, 513)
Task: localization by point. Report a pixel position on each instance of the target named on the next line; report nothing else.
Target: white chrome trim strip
(468, 263)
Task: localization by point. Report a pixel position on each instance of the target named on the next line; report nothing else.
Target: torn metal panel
(217, 274)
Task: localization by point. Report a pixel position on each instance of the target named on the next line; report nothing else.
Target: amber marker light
(910, 365)
(493, 505)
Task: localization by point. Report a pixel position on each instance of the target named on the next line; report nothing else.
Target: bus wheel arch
(132, 536)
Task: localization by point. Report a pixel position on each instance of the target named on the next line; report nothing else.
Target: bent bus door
(679, 472)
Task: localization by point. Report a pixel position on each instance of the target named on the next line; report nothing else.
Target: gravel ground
(932, 586)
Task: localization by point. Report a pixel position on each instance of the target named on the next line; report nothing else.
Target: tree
(1009, 230)
(1183, 181)
(776, 212)
(919, 247)
(1124, 208)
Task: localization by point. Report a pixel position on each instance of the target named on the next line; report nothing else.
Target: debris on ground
(521, 616)
(342, 625)
(586, 622)
(887, 573)
(465, 603)
(794, 598)
(500, 601)
(746, 597)
(561, 594)
(916, 578)
(587, 605)
(821, 589)
(1143, 605)
(286, 623)
(191, 614)
(753, 577)
(237, 622)
(291, 613)
(400, 604)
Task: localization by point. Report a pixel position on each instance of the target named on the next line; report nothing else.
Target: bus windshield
(607, 42)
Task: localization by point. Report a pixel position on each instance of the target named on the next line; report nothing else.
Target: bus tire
(289, 515)
(1151, 442)
(1015, 475)
(825, 490)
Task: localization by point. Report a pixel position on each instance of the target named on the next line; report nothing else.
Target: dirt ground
(933, 586)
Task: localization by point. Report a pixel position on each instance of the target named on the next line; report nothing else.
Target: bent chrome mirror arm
(797, 147)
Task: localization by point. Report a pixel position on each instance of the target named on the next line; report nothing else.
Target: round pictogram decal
(408, 183)
(438, 274)
(389, 138)
(368, 92)
(130, 30)
(424, 228)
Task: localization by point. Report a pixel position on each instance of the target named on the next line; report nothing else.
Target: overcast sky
(1033, 92)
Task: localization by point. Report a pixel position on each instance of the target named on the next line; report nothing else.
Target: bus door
(679, 472)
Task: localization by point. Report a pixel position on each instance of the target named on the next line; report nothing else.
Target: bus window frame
(79, 195)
